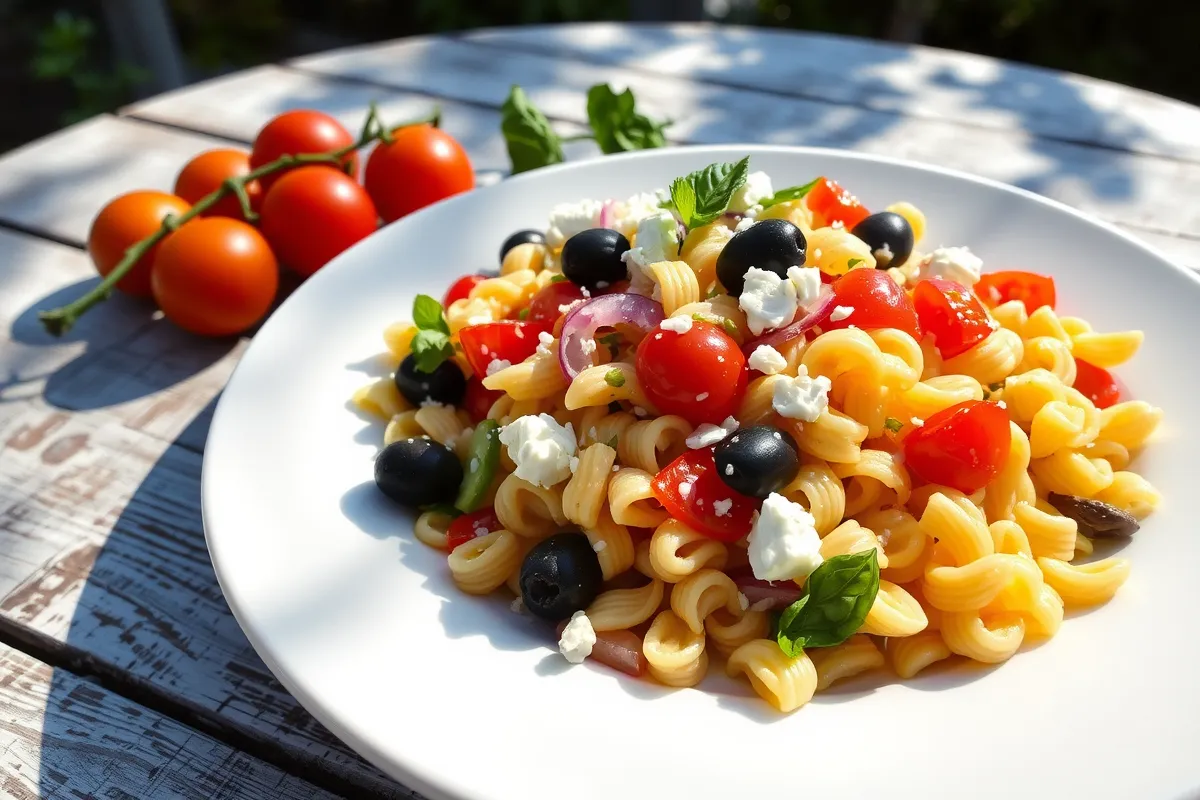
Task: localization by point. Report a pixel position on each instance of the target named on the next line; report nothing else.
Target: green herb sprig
(789, 194)
(701, 196)
(837, 597)
(431, 346)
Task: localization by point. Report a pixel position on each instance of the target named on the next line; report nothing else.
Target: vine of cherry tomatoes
(217, 274)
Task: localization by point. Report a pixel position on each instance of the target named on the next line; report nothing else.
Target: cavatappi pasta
(667, 469)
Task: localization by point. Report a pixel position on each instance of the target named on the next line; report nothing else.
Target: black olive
(1096, 519)
(417, 472)
(445, 384)
(773, 245)
(758, 460)
(593, 257)
(889, 236)
(521, 237)
(560, 575)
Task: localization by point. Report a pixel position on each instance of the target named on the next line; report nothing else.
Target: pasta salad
(725, 423)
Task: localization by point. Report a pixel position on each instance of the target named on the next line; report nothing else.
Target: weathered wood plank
(61, 737)
(910, 80)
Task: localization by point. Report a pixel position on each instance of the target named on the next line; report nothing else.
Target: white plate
(460, 698)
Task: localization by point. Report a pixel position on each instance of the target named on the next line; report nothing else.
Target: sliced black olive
(1095, 519)
(445, 384)
(417, 472)
(560, 575)
(889, 236)
(593, 257)
(758, 460)
(773, 245)
(521, 237)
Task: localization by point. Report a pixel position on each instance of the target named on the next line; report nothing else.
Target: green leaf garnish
(702, 196)
(892, 424)
(788, 194)
(614, 378)
(838, 595)
(616, 124)
(531, 142)
(852, 263)
(431, 346)
(523, 313)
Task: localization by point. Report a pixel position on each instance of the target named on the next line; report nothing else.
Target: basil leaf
(427, 314)
(531, 142)
(616, 124)
(430, 348)
(789, 194)
(838, 595)
(702, 196)
(683, 198)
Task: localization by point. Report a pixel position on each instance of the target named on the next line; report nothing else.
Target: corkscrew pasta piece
(990, 361)
(1085, 584)
(832, 249)
(881, 467)
(958, 526)
(1130, 492)
(834, 437)
(1057, 426)
(431, 527)
(598, 424)
(1048, 532)
(621, 609)
(971, 586)
(631, 499)
(380, 399)
(905, 545)
(481, 565)
(894, 613)
(599, 386)
(1107, 350)
(527, 509)
(402, 426)
(1072, 472)
(991, 641)
(727, 632)
(677, 551)
(794, 211)
(914, 215)
(675, 654)
(818, 488)
(1012, 485)
(1009, 537)
(861, 397)
(652, 444)
(756, 406)
(443, 423)
(612, 543)
(536, 377)
(676, 283)
(529, 256)
(1025, 394)
(587, 491)
(698, 595)
(1044, 322)
(928, 397)
(1129, 424)
(850, 537)
(856, 655)
(700, 251)
(1050, 354)
(912, 654)
(785, 682)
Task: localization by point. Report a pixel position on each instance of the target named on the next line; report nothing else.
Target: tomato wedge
(461, 288)
(471, 526)
(692, 492)
(835, 204)
(962, 447)
(478, 400)
(1096, 384)
(876, 301)
(1030, 288)
(507, 340)
(549, 302)
(952, 315)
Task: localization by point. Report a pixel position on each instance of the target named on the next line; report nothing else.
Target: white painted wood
(61, 737)
(1132, 188)
(911, 80)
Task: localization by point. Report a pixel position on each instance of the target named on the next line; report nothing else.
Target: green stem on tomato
(60, 320)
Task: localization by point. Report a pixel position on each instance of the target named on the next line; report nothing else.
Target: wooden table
(123, 673)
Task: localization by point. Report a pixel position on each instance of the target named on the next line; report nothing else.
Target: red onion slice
(807, 319)
(606, 214)
(621, 650)
(780, 595)
(584, 320)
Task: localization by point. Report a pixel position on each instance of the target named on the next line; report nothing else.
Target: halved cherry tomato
(1096, 384)
(507, 340)
(548, 303)
(689, 487)
(835, 204)
(1030, 288)
(471, 526)
(952, 315)
(877, 302)
(461, 288)
(699, 375)
(478, 400)
(963, 446)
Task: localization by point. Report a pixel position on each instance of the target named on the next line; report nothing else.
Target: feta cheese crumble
(807, 281)
(756, 189)
(840, 313)
(768, 300)
(801, 397)
(657, 240)
(956, 264)
(700, 398)
(743, 601)
(540, 447)
(767, 360)
(497, 364)
(578, 638)
(587, 345)
(568, 219)
(707, 434)
(600, 546)
(678, 324)
(721, 507)
(783, 544)
(545, 342)
(745, 223)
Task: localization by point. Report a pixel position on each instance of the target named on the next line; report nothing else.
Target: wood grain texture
(907, 79)
(62, 737)
(1131, 188)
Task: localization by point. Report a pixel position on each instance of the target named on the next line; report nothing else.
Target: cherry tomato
(695, 504)
(952, 315)
(962, 447)
(877, 302)
(461, 288)
(1096, 384)
(215, 276)
(471, 526)
(123, 223)
(699, 375)
(420, 166)
(314, 213)
(478, 401)
(507, 340)
(205, 173)
(1030, 288)
(299, 131)
(548, 303)
(834, 204)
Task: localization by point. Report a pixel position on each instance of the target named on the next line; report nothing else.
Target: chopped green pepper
(483, 459)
